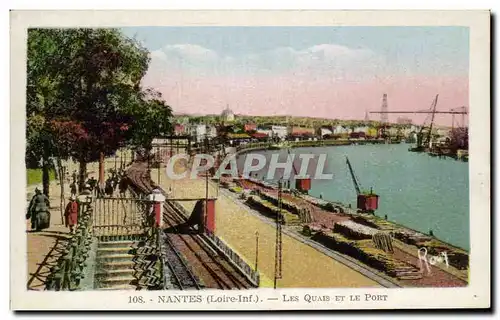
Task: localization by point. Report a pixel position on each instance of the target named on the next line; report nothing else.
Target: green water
(416, 190)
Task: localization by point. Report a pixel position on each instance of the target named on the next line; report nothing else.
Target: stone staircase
(125, 265)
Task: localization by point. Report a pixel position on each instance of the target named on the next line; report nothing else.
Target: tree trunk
(62, 178)
(82, 174)
(45, 176)
(101, 169)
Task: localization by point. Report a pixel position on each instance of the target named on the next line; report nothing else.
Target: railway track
(179, 241)
(183, 277)
(218, 273)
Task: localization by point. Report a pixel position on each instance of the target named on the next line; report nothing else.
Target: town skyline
(324, 72)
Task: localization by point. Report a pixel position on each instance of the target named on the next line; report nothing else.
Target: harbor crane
(366, 201)
(424, 138)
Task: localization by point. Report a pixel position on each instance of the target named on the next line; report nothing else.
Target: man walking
(71, 214)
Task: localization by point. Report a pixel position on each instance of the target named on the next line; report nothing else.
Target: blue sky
(334, 71)
(426, 50)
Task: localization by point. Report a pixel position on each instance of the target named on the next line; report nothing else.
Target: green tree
(90, 77)
(152, 118)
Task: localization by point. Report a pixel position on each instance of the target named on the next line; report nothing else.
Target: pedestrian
(38, 211)
(71, 214)
(72, 186)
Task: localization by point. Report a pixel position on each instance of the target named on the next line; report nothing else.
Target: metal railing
(69, 270)
(120, 216)
(253, 275)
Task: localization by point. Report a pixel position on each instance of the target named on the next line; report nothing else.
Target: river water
(416, 190)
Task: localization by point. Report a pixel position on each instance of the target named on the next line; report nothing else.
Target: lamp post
(206, 186)
(256, 249)
(279, 243)
(159, 164)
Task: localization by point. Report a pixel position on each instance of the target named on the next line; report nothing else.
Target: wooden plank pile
(270, 210)
(353, 230)
(366, 252)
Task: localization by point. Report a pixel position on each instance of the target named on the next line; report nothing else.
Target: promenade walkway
(45, 247)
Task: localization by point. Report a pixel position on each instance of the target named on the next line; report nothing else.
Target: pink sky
(310, 96)
(324, 81)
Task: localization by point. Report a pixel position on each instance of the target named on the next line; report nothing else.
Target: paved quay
(303, 266)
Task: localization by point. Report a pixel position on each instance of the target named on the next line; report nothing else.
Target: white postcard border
(477, 294)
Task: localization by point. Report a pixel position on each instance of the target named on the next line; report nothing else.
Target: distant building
(340, 129)
(324, 131)
(300, 131)
(227, 115)
(279, 131)
(357, 135)
(250, 127)
(211, 131)
(372, 132)
(443, 131)
(260, 136)
(265, 131)
(404, 120)
(197, 131)
(363, 129)
(393, 131)
(179, 129)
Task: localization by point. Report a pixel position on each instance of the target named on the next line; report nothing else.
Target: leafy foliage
(84, 95)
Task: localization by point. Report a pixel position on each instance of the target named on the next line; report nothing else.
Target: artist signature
(428, 260)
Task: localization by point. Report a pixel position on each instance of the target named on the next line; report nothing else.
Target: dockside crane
(366, 201)
(428, 137)
(424, 136)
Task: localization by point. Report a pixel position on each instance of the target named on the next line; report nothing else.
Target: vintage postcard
(250, 160)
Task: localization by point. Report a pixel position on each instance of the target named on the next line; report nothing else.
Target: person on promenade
(38, 211)
(71, 214)
(72, 186)
(85, 198)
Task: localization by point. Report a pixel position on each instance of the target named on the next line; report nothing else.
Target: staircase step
(115, 244)
(127, 287)
(115, 257)
(118, 250)
(117, 265)
(115, 272)
(116, 280)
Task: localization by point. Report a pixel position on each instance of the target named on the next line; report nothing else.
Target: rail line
(181, 274)
(180, 271)
(181, 241)
(216, 266)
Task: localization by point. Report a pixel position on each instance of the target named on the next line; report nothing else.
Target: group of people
(39, 211)
(39, 207)
(115, 178)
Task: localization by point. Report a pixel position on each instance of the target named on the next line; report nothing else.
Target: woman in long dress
(71, 214)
